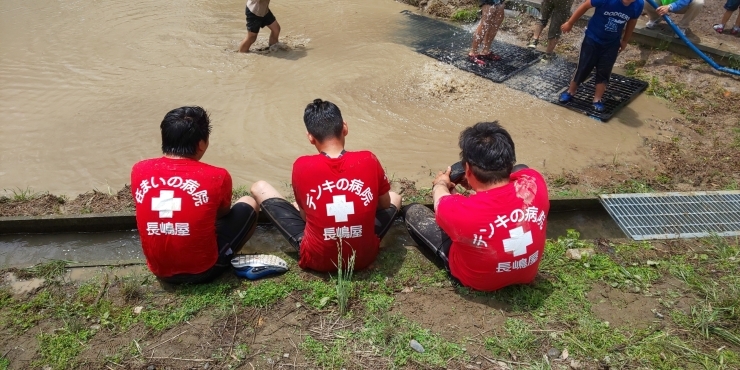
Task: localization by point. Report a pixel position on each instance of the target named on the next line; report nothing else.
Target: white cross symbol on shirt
(518, 242)
(166, 203)
(340, 208)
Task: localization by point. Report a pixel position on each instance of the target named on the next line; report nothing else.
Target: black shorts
(288, 220)
(490, 2)
(595, 55)
(254, 23)
(422, 226)
(231, 234)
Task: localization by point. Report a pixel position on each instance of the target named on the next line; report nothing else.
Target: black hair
(182, 129)
(489, 150)
(323, 120)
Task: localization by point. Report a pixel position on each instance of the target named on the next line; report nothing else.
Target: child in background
(557, 12)
(730, 7)
(603, 41)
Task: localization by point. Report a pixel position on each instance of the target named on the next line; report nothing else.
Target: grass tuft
(465, 15)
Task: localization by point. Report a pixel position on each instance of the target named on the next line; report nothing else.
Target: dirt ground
(612, 310)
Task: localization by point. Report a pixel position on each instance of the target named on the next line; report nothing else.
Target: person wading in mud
(259, 16)
(492, 14)
(496, 236)
(341, 197)
(189, 230)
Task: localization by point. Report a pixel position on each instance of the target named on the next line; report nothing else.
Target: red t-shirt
(498, 235)
(176, 205)
(340, 198)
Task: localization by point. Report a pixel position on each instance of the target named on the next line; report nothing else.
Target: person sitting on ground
(343, 198)
(604, 40)
(689, 8)
(730, 7)
(557, 12)
(492, 15)
(189, 230)
(496, 236)
(259, 16)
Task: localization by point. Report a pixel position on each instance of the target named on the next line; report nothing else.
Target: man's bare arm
(441, 187)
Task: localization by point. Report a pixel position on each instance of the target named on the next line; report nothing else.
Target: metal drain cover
(675, 215)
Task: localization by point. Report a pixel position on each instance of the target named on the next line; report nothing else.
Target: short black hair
(323, 120)
(489, 150)
(182, 129)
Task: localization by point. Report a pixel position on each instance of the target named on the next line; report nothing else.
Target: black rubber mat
(620, 91)
(513, 59)
(423, 33)
(520, 68)
(545, 79)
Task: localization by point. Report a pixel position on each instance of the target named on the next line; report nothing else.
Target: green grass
(344, 280)
(48, 270)
(4, 363)
(629, 186)
(192, 299)
(669, 90)
(58, 350)
(21, 195)
(240, 191)
(391, 334)
(701, 310)
(518, 336)
(423, 195)
(466, 15)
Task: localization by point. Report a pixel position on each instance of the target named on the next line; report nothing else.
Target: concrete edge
(91, 223)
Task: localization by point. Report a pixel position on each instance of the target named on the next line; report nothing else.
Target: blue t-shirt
(610, 16)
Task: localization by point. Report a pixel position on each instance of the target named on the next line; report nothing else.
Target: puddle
(68, 95)
(20, 287)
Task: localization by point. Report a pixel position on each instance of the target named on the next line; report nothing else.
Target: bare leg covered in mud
(247, 42)
(274, 33)
(251, 37)
(491, 19)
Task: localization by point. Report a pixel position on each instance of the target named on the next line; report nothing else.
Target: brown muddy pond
(84, 85)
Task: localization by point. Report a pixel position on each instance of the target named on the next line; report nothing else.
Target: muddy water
(84, 85)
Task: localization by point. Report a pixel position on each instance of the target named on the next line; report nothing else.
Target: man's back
(498, 235)
(340, 198)
(177, 201)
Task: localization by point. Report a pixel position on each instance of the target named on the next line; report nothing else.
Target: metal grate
(513, 59)
(620, 91)
(675, 215)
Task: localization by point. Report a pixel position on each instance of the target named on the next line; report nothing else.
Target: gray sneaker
(532, 44)
(652, 23)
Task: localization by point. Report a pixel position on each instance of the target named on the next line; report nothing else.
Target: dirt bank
(644, 306)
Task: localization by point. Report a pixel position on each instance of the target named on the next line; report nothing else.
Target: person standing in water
(259, 16)
(492, 15)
